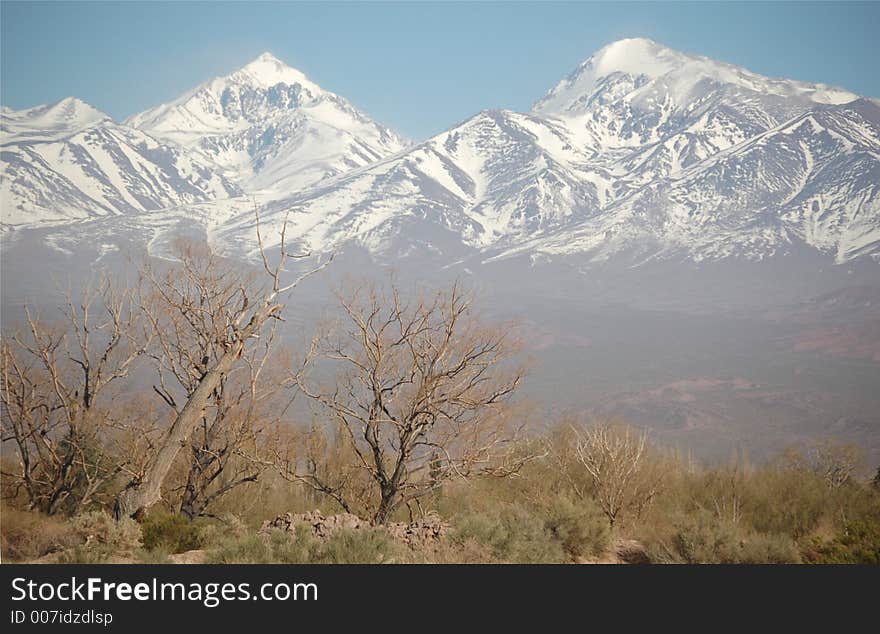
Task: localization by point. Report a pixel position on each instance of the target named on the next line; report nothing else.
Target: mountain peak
(635, 56)
(266, 56)
(63, 117)
(76, 109)
(269, 126)
(267, 70)
(644, 60)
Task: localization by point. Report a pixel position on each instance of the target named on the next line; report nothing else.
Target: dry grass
(26, 535)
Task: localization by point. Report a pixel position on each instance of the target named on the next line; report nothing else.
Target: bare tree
(835, 463)
(560, 445)
(728, 485)
(227, 447)
(420, 397)
(623, 477)
(55, 406)
(233, 444)
(214, 313)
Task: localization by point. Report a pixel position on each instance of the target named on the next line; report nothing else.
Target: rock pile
(320, 526)
(418, 534)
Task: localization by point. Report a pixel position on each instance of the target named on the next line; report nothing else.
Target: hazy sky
(417, 67)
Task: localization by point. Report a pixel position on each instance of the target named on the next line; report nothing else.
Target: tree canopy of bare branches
(189, 310)
(616, 459)
(836, 463)
(55, 402)
(419, 397)
(206, 320)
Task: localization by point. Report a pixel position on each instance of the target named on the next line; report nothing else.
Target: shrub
(806, 502)
(227, 527)
(26, 535)
(100, 529)
(157, 556)
(858, 543)
(467, 551)
(511, 533)
(702, 538)
(580, 528)
(373, 546)
(172, 533)
(81, 554)
(348, 546)
(278, 547)
(763, 548)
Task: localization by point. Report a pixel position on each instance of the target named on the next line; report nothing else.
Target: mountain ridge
(68, 161)
(528, 177)
(270, 127)
(640, 149)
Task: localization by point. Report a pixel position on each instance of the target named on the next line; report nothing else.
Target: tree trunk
(190, 496)
(141, 494)
(387, 504)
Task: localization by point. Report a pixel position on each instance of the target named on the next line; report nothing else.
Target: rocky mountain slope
(642, 152)
(268, 126)
(264, 129)
(69, 161)
(641, 149)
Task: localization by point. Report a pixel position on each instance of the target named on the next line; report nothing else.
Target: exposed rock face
(420, 533)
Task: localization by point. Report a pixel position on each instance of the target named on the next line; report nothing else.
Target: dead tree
(419, 397)
(837, 464)
(231, 445)
(214, 313)
(728, 485)
(617, 462)
(226, 447)
(54, 411)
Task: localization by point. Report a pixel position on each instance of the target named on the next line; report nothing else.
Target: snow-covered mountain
(498, 178)
(270, 127)
(642, 152)
(69, 161)
(813, 180)
(642, 149)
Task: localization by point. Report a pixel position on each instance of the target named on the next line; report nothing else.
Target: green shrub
(447, 551)
(278, 547)
(224, 528)
(857, 543)
(172, 533)
(157, 556)
(511, 533)
(82, 554)
(762, 548)
(786, 502)
(100, 538)
(348, 546)
(580, 528)
(702, 538)
(100, 529)
(374, 546)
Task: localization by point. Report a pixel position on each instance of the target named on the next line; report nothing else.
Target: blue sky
(418, 67)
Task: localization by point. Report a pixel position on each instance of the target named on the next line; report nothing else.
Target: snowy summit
(269, 127)
(642, 152)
